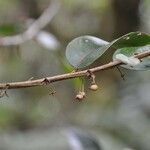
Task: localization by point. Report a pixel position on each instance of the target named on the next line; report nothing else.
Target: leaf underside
(130, 51)
(83, 51)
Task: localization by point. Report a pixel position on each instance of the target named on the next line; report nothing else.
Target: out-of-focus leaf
(8, 29)
(67, 68)
(84, 50)
(130, 51)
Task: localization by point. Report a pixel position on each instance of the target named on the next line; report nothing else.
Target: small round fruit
(82, 93)
(79, 96)
(94, 87)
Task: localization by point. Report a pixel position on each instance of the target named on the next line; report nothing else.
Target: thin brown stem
(48, 80)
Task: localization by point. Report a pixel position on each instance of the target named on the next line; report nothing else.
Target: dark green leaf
(133, 39)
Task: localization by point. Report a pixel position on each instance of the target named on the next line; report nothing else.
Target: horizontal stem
(48, 80)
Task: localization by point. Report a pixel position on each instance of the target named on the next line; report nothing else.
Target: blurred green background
(116, 117)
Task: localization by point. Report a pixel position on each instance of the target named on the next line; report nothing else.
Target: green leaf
(84, 50)
(130, 51)
(133, 39)
(9, 29)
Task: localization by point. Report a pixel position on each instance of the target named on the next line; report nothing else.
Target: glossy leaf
(84, 50)
(130, 51)
(133, 39)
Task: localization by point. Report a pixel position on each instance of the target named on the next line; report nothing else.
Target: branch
(34, 28)
(48, 80)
